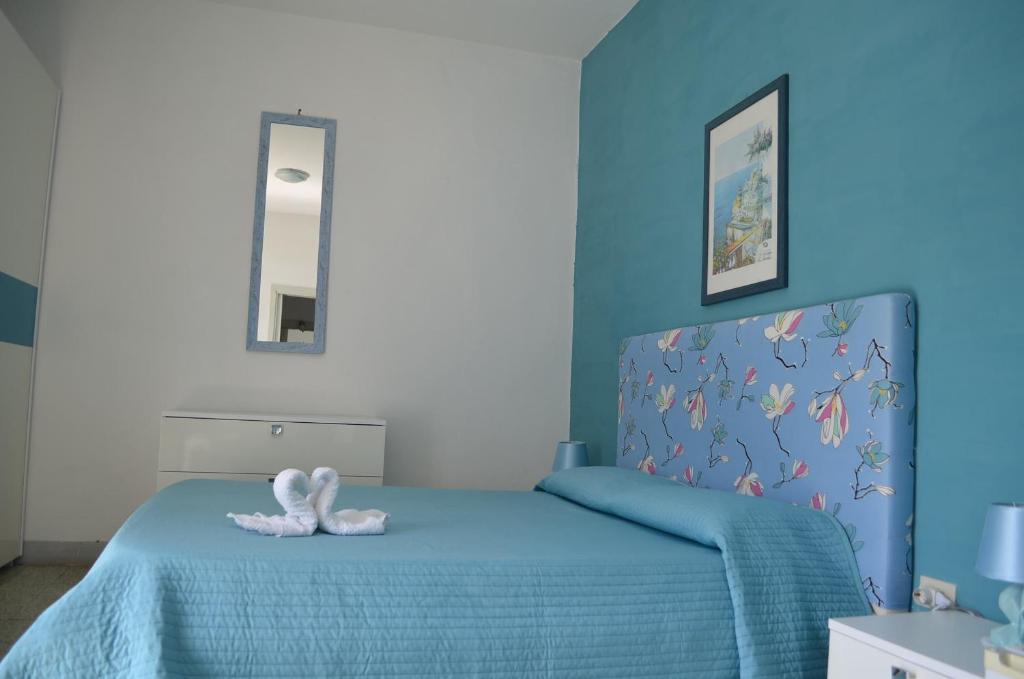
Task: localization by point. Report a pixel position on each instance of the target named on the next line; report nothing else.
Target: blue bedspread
(465, 583)
(789, 568)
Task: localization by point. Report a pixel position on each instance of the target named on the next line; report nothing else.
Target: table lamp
(1001, 557)
(570, 454)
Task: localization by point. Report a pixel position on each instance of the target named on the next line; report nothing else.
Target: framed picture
(745, 184)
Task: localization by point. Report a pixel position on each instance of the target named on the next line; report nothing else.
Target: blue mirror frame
(329, 126)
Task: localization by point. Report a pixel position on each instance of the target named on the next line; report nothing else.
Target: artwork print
(745, 197)
(743, 200)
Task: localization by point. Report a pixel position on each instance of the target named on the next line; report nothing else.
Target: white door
(28, 111)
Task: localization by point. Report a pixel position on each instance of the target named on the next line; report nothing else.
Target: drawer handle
(900, 673)
(276, 429)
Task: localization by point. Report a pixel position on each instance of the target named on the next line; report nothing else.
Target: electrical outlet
(947, 588)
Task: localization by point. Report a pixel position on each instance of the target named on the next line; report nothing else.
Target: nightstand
(920, 645)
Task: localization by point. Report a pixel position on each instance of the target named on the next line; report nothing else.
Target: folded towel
(291, 488)
(346, 521)
(356, 522)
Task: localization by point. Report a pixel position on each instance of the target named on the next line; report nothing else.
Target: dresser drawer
(265, 447)
(907, 645)
(165, 479)
(852, 659)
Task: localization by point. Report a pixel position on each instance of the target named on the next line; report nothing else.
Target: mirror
(291, 238)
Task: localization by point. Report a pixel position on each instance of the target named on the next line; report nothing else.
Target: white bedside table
(920, 645)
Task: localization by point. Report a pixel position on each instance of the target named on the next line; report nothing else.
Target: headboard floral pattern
(812, 406)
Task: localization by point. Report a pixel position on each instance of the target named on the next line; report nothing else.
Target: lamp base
(1011, 603)
(1003, 664)
(570, 454)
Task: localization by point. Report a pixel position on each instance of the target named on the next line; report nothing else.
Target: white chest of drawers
(940, 645)
(255, 447)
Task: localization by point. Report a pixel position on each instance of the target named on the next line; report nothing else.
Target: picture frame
(746, 181)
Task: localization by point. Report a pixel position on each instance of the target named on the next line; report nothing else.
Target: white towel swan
(291, 488)
(347, 521)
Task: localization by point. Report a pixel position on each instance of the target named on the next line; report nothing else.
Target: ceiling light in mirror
(292, 175)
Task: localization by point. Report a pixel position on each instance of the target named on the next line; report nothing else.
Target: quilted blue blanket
(789, 568)
(609, 573)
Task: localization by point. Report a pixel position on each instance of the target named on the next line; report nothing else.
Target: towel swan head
(324, 483)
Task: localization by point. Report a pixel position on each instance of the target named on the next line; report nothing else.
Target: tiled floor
(26, 591)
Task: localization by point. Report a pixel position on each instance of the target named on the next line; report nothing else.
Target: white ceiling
(564, 28)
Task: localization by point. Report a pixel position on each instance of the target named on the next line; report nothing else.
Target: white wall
(291, 244)
(451, 269)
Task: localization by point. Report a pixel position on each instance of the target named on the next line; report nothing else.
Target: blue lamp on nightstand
(1001, 557)
(570, 454)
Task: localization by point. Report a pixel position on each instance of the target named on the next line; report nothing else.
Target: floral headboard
(814, 406)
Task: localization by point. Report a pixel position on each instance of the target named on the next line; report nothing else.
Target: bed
(600, 572)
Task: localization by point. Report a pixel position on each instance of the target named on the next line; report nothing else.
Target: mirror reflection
(288, 234)
(291, 234)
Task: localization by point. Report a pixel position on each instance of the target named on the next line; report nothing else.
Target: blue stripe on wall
(17, 310)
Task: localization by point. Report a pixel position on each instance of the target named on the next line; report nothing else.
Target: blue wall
(906, 173)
